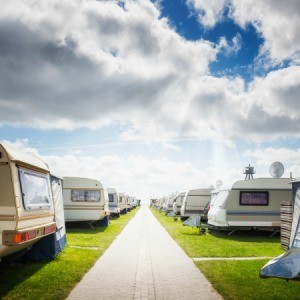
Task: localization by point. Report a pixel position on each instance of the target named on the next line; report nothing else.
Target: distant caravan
(249, 204)
(27, 211)
(178, 203)
(113, 204)
(194, 203)
(85, 200)
(123, 203)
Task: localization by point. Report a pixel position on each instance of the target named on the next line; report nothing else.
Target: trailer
(85, 200)
(249, 204)
(123, 203)
(27, 211)
(178, 203)
(113, 204)
(194, 203)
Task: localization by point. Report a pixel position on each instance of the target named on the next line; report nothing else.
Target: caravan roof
(112, 190)
(78, 182)
(17, 155)
(262, 183)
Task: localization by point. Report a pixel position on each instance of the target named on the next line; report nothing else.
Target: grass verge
(55, 279)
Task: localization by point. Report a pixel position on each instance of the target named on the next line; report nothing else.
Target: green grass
(234, 279)
(55, 279)
(240, 280)
(240, 244)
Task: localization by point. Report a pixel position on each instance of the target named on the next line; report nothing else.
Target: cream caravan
(194, 203)
(253, 203)
(85, 200)
(113, 203)
(123, 203)
(27, 212)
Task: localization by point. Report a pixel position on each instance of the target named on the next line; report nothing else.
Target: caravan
(123, 203)
(113, 202)
(194, 203)
(85, 200)
(249, 204)
(27, 212)
(178, 203)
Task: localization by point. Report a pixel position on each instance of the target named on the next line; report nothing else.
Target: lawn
(240, 244)
(240, 280)
(55, 279)
(234, 279)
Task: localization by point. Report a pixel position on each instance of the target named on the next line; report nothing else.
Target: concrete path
(144, 262)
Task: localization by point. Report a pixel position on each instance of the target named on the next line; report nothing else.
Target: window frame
(26, 203)
(254, 192)
(85, 201)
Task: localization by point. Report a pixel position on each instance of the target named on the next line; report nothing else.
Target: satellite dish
(276, 169)
(219, 183)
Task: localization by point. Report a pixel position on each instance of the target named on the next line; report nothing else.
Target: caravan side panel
(260, 214)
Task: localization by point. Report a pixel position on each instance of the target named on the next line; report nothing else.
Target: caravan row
(248, 204)
(35, 204)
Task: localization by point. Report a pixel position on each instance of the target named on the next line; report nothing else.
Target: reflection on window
(85, 196)
(35, 189)
(254, 198)
(111, 197)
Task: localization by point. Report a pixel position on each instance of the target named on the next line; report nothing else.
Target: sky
(152, 97)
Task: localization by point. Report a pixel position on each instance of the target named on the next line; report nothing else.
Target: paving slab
(144, 262)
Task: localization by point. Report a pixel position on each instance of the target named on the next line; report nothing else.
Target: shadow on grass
(12, 274)
(255, 236)
(84, 227)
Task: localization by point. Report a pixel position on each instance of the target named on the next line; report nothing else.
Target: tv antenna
(249, 171)
(276, 169)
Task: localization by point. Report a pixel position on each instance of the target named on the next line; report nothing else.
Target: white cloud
(276, 21)
(77, 63)
(209, 12)
(90, 63)
(232, 47)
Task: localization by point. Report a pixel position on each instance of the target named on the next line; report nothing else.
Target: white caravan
(253, 203)
(168, 206)
(113, 202)
(194, 202)
(178, 203)
(85, 200)
(123, 203)
(27, 212)
(128, 203)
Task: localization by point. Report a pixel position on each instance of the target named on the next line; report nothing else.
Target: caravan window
(254, 198)
(35, 189)
(85, 196)
(111, 197)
